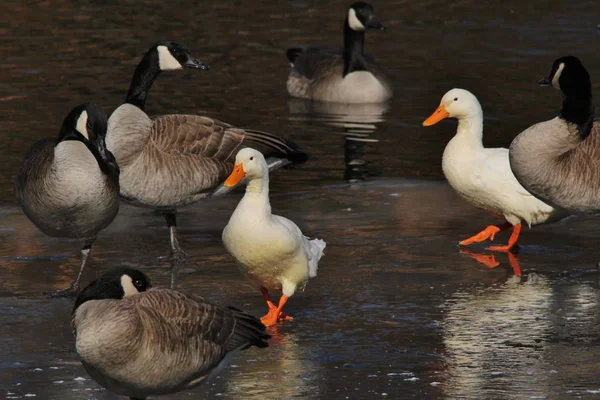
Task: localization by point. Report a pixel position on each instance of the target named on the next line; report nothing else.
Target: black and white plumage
(559, 160)
(137, 342)
(69, 187)
(345, 76)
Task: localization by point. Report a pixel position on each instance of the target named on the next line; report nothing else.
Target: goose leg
(512, 241)
(274, 314)
(282, 316)
(178, 256)
(487, 233)
(74, 288)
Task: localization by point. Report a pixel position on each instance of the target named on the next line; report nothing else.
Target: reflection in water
(358, 122)
(489, 260)
(493, 338)
(519, 335)
(288, 370)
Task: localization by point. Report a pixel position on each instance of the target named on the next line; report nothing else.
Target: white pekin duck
(482, 176)
(270, 249)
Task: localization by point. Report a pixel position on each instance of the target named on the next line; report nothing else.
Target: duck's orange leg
(487, 233)
(512, 241)
(275, 314)
(282, 316)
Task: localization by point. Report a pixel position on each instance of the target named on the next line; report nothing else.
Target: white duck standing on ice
(483, 176)
(270, 249)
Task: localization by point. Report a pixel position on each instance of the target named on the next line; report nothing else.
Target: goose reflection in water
(357, 122)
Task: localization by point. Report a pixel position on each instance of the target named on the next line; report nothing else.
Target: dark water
(396, 311)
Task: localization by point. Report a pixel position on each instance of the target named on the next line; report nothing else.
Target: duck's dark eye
(251, 158)
(138, 283)
(456, 99)
(89, 126)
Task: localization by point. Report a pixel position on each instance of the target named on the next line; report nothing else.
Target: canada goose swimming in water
(270, 249)
(345, 76)
(559, 160)
(69, 187)
(482, 176)
(173, 160)
(138, 342)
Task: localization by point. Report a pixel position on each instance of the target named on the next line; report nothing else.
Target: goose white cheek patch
(127, 284)
(557, 76)
(354, 22)
(82, 124)
(166, 61)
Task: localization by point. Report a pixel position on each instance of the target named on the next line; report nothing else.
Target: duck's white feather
(270, 249)
(483, 176)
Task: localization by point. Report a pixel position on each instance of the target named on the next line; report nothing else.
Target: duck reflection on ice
(358, 122)
(489, 260)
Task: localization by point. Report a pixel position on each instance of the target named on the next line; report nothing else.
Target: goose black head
(568, 75)
(85, 122)
(361, 16)
(173, 56)
(116, 283)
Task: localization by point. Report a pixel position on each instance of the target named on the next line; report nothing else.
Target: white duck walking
(483, 176)
(270, 249)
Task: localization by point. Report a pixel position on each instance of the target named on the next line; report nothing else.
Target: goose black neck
(578, 108)
(146, 72)
(353, 49)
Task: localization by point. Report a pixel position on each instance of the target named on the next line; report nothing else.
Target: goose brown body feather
(174, 160)
(159, 341)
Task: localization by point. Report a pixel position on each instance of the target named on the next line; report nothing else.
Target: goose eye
(456, 99)
(251, 158)
(138, 283)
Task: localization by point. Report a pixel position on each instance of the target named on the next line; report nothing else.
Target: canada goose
(482, 176)
(345, 76)
(69, 187)
(559, 160)
(138, 342)
(270, 249)
(173, 160)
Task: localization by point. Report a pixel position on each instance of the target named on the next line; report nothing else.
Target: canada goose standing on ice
(69, 187)
(173, 160)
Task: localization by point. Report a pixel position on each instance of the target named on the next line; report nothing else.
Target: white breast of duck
(267, 247)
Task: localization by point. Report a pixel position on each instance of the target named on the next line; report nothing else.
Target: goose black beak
(376, 24)
(545, 81)
(193, 63)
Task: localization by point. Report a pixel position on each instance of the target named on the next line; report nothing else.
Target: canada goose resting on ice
(344, 76)
(270, 249)
(69, 187)
(173, 160)
(138, 342)
(559, 160)
(482, 176)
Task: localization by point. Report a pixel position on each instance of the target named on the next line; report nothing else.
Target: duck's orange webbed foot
(275, 314)
(487, 233)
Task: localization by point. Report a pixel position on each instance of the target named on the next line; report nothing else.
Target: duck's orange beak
(236, 176)
(439, 114)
